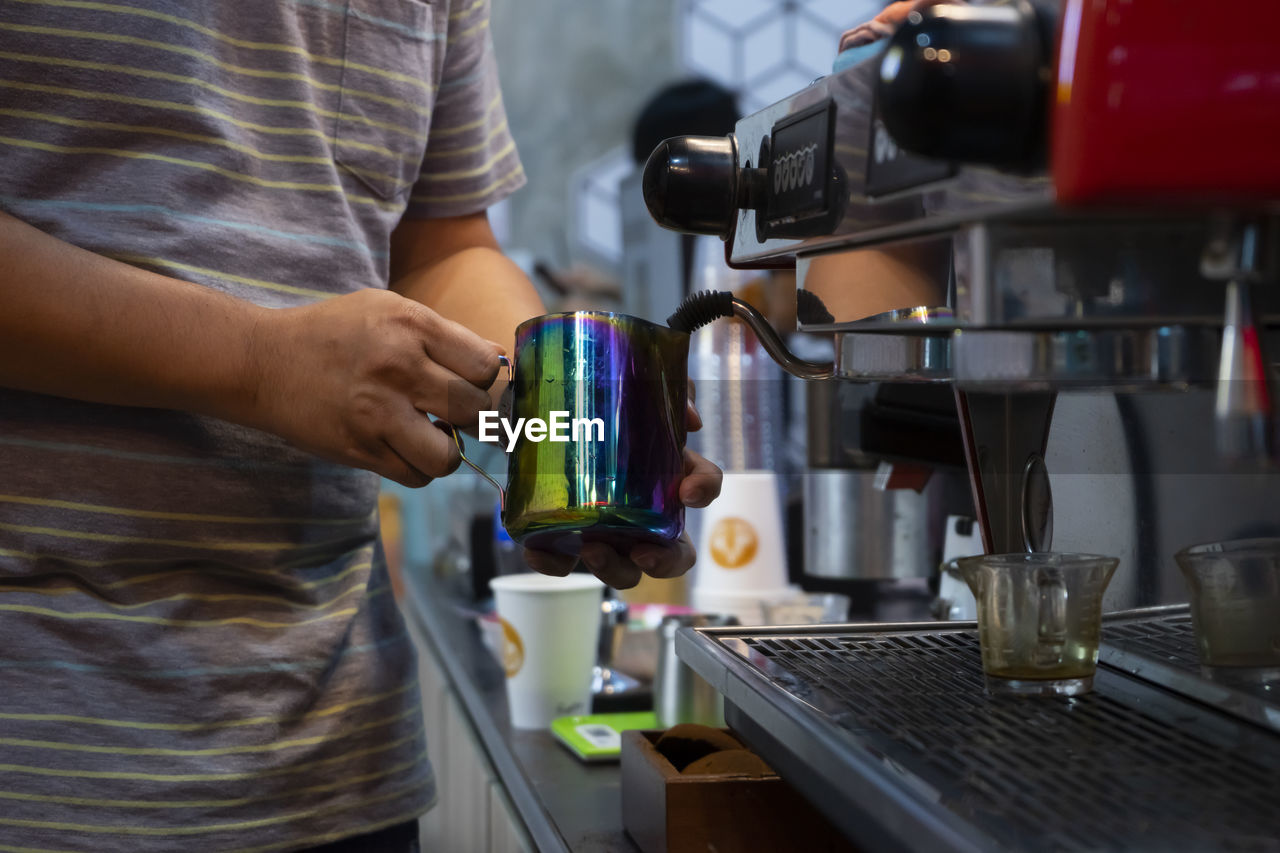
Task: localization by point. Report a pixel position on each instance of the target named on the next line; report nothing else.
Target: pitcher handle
(457, 439)
(462, 452)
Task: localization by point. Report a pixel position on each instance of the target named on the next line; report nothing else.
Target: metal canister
(680, 695)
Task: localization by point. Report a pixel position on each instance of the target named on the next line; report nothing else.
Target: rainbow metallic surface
(633, 376)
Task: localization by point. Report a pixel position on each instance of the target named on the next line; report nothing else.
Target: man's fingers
(702, 480)
(605, 564)
(423, 446)
(547, 563)
(463, 352)
(461, 402)
(884, 24)
(692, 420)
(392, 466)
(665, 561)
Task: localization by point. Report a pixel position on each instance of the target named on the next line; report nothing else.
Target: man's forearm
(481, 289)
(454, 267)
(354, 379)
(79, 325)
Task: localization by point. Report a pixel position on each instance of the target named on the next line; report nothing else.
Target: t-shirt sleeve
(471, 161)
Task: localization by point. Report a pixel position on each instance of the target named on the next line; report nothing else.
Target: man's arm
(76, 324)
(455, 267)
(350, 378)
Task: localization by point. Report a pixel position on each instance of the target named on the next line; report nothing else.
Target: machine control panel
(802, 183)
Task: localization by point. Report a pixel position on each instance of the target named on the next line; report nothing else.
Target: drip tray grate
(1129, 766)
(1167, 638)
(1162, 648)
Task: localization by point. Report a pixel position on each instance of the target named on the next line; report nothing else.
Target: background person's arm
(350, 378)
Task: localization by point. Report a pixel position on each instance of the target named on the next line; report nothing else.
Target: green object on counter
(598, 737)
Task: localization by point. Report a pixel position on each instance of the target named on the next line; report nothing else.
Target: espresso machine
(1089, 194)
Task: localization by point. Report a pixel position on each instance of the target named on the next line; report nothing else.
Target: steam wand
(700, 309)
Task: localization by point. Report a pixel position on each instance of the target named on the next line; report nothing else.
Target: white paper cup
(741, 548)
(550, 629)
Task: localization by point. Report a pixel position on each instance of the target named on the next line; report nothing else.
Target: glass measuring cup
(1039, 619)
(1235, 603)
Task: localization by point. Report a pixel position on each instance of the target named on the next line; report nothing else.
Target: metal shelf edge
(892, 815)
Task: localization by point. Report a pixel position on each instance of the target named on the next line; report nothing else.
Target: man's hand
(884, 24)
(699, 487)
(356, 379)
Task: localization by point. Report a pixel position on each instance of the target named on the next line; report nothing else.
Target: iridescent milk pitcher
(611, 391)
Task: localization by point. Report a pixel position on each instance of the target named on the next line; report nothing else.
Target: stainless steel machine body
(1083, 346)
(886, 728)
(1108, 373)
(886, 531)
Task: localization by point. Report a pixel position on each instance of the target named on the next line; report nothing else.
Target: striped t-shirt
(199, 649)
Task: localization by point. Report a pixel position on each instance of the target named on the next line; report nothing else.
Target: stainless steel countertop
(565, 805)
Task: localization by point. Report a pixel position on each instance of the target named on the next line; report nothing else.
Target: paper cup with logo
(740, 543)
(550, 628)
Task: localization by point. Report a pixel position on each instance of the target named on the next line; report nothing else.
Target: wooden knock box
(665, 811)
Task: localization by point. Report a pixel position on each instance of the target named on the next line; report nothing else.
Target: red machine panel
(1167, 100)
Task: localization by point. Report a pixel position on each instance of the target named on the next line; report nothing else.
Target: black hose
(700, 309)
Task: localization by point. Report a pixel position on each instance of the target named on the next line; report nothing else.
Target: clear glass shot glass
(1039, 619)
(1235, 605)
